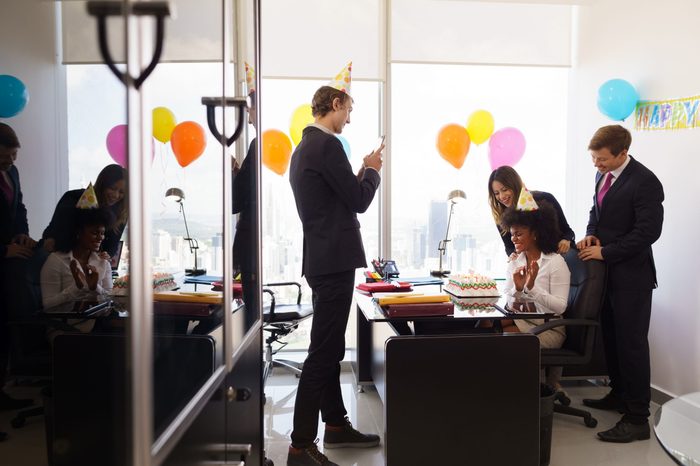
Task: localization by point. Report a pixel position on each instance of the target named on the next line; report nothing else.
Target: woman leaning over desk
(110, 188)
(504, 187)
(537, 274)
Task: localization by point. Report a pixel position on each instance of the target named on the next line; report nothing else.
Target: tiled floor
(573, 444)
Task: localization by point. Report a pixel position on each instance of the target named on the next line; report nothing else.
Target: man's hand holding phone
(374, 159)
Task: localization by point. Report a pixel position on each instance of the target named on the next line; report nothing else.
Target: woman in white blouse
(537, 274)
(75, 271)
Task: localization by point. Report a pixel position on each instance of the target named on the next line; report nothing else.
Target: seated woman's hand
(91, 277)
(519, 278)
(104, 255)
(78, 275)
(531, 274)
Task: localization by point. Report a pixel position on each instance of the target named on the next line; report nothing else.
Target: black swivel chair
(581, 321)
(281, 320)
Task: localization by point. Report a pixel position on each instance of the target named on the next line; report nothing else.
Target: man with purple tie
(624, 222)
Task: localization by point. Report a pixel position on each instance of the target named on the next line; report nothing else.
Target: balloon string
(163, 167)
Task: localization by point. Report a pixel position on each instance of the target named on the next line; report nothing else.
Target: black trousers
(319, 385)
(625, 324)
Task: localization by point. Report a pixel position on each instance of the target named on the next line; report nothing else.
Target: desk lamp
(178, 196)
(453, 197)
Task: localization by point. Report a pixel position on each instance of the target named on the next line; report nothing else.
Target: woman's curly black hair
(542, 222)
(83, 218)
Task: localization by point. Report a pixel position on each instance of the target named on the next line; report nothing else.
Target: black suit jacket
(627, 224)
(13, 216)
(328, 197)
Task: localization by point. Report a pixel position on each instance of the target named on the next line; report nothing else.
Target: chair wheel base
(590, 421)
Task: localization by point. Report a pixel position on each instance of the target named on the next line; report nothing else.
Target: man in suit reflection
(624, 222)
(16, 250)
(243, 204)
(328, 196)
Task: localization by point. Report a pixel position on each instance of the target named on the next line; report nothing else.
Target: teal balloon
(345, 143)
(617, 99)
(13, 96)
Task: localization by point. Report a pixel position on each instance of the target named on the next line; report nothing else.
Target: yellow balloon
(163, 124)
(301, 118)
(480, 126)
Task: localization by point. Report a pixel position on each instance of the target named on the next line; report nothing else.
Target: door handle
(102, 10)
(241, 103)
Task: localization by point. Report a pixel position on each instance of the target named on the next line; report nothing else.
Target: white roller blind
(449, 31)
(194, 34)
(316, 38)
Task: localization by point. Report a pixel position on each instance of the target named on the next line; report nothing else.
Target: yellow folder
(209, 297)
(435, 298)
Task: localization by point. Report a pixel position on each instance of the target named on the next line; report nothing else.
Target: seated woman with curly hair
(537, 274)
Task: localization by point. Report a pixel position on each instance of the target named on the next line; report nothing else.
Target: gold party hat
(342, 80)
(526, 202)
(249, 77)
(88, 200)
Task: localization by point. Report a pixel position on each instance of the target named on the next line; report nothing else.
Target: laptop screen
(114, 260)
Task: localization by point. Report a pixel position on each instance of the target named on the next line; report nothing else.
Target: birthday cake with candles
(471, 285)
(161, 282)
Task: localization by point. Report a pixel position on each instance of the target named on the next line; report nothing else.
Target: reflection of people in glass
(537, 275)
(75, 271)
(110, 188)
(504, 185)
(243, 204)
(16, 249)
(328, 197)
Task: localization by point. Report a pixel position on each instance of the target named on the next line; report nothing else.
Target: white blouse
(58, 285)
(550, 291)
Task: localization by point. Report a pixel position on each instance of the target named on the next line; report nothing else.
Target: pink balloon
(506, 147)
(116, 144)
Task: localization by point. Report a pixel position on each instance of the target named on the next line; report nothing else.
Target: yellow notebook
(208, 297)
(435, 298)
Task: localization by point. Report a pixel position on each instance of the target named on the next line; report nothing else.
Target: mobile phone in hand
(380, 141)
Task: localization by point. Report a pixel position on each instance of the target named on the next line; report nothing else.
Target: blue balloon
(345, 143)
(13, 96)
(617, 99)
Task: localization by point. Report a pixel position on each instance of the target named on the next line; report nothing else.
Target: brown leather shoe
(609, 402)
(625, 432)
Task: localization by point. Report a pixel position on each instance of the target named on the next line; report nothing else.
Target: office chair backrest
(586, 294)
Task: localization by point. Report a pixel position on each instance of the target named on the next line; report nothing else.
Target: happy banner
(667, 114)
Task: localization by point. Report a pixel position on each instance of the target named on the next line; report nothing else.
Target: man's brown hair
(615, 138)
(8, 137)
(322, 103)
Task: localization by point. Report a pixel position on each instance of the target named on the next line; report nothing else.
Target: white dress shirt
(58, 285)
(550, 291)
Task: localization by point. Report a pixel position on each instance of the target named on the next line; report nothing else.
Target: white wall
(29, 52)
(648, 43)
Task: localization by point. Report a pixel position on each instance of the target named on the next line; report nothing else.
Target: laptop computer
(114, 260)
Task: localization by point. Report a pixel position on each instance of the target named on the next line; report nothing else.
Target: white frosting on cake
(471, 285)
(161, 282)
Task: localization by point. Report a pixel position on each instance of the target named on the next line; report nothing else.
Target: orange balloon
(188, 142)
(276, 150)
(453, 144)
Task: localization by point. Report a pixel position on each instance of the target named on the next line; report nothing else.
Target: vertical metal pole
(226, 75)
(385, 193)
(139, 36)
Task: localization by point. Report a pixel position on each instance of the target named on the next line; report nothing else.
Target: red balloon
(188, 142)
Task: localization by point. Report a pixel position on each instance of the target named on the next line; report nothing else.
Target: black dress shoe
(12, 404)
(609, 403)
(625, 432)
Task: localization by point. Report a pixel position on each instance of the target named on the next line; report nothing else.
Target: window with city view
(426, 97)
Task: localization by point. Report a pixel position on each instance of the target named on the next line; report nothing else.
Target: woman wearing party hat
(328, 197)
(537, 274)
(504, 185)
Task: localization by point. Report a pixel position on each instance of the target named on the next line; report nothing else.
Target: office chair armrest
(272, 300)
(562, 323)
(297, 284)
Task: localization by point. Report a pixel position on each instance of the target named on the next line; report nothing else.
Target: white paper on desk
(395, 294)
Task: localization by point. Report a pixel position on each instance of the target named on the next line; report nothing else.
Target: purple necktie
(604, 189)
(7, 189)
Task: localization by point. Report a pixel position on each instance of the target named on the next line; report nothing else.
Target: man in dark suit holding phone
(16, 247)
(624, 222)
(328, 197)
